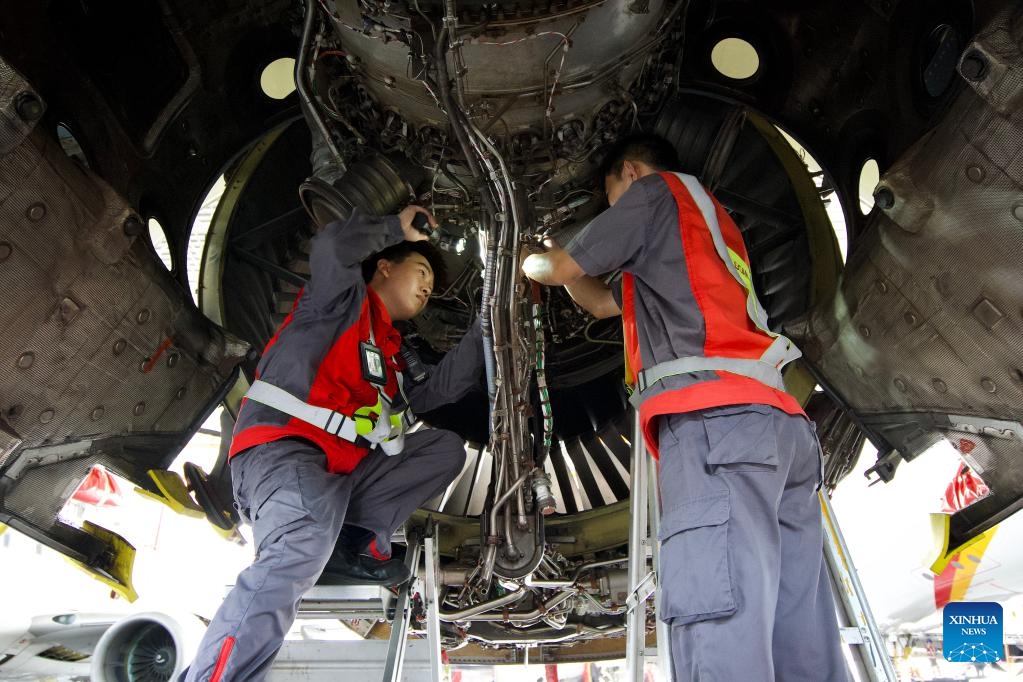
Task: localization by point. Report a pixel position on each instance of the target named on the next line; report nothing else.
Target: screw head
(36, 212)
(975, 173)
(119, 346)
(940, 386)
(46, 416)
(974, 66)
(143, 316)
(988, 385)
(884, 198)
(28, 106)
(139, 409)
(132, 226)
(26, 359)
(97, 413)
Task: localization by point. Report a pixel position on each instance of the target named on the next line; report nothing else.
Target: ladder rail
(635, 631)
(402, 613)
(851, 603)
(664, 660)
(432, 603)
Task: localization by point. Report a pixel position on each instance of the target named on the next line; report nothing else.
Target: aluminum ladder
(317, 659)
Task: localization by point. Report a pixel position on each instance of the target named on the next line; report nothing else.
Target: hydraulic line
(541, 384)
(301, 68)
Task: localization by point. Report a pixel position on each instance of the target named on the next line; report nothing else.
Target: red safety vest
(338, 386)
(731, 332)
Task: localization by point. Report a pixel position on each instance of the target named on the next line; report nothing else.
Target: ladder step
(322, 661)
(347, 602)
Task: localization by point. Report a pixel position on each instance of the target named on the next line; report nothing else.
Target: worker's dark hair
(402, 250)
(653, 150)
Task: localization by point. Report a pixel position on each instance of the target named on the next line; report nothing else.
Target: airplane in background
(990, 568)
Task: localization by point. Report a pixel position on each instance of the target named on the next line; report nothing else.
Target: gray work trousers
(744, 583)
(296, 509)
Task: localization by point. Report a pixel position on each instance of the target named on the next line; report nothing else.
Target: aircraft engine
(147, 647)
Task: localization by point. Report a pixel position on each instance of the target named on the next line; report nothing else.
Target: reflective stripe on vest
(387, 430)
(766, 368)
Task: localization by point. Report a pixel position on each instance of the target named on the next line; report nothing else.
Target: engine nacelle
(146, 646)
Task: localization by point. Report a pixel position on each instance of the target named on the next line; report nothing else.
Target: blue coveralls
(298, 493)
(743, 580)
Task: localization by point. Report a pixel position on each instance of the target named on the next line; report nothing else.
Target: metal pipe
(546, 636)
(603, 609)
(490, 551)
(546, 71)
(466, 614)
(534, 615)
(506, 369)
(507, 493)
(453, 577)
(301, 66)
(504, 170)
(486, 320)
(575, 577)
(510, 550)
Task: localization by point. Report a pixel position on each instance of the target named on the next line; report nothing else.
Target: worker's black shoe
(349, 568)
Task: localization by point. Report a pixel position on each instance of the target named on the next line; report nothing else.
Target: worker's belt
(766, 369)
(386, 430)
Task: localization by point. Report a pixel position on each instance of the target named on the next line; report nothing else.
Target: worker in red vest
(742, 566)
(321, 462)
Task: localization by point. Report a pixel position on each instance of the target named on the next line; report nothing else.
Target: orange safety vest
(744, 354)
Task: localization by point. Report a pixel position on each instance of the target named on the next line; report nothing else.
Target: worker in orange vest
(742, 564)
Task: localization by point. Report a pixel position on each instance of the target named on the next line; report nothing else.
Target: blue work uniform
(298, 484)
(745, 587)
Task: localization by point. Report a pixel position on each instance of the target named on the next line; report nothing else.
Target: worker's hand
(531, 246)
(407, 215)
(527, 249)
(553, 267)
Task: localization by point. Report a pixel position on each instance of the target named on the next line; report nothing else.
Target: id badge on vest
(374, 370)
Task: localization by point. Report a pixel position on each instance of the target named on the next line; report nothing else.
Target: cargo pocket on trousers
(741, 438)
(696, 580)
(283, 510)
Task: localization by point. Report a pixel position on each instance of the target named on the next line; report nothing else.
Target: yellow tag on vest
(742, 269)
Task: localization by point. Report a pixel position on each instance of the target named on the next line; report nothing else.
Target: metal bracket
(642, 592)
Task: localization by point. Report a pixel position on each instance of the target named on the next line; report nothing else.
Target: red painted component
(965, 489)
(99, 489)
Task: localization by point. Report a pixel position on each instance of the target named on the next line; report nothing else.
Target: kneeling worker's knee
(452, 448)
